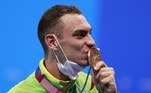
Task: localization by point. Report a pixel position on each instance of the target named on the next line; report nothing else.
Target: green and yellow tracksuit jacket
(32, 85)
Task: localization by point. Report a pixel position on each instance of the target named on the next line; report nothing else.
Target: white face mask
(69, 68)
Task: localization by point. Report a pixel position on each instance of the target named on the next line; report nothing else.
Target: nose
(90, 42)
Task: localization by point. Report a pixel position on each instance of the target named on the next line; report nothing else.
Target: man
(65, 37)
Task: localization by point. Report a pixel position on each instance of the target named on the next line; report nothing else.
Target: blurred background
(121, 29)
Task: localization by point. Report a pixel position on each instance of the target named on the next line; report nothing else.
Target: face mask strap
(60, 49)
(56, 57)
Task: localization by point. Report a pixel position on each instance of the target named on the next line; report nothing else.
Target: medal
(94, 56)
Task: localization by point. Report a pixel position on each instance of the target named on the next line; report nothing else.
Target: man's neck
(51, 66)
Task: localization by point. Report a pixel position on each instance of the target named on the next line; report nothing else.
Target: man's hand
(104, 78)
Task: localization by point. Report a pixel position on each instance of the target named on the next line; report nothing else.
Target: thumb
(97, 67)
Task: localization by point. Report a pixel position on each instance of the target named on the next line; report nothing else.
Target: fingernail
(95, 67)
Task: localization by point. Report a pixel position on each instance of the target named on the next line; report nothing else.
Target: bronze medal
(94, 56)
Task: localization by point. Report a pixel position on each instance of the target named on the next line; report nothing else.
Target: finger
(108, 80)
(106, 69)
(103, 73)
(97, 68)
(99, 65)
(106, 74)
(102, 69)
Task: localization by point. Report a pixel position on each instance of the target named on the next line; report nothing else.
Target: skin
(76, 43)
(104, 78)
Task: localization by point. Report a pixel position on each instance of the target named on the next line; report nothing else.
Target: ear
(50, 41)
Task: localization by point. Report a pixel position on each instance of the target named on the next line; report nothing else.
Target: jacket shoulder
(29, 85)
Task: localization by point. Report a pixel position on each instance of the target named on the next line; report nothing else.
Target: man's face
(76, 40)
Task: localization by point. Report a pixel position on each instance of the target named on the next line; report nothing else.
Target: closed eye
(80, 34)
